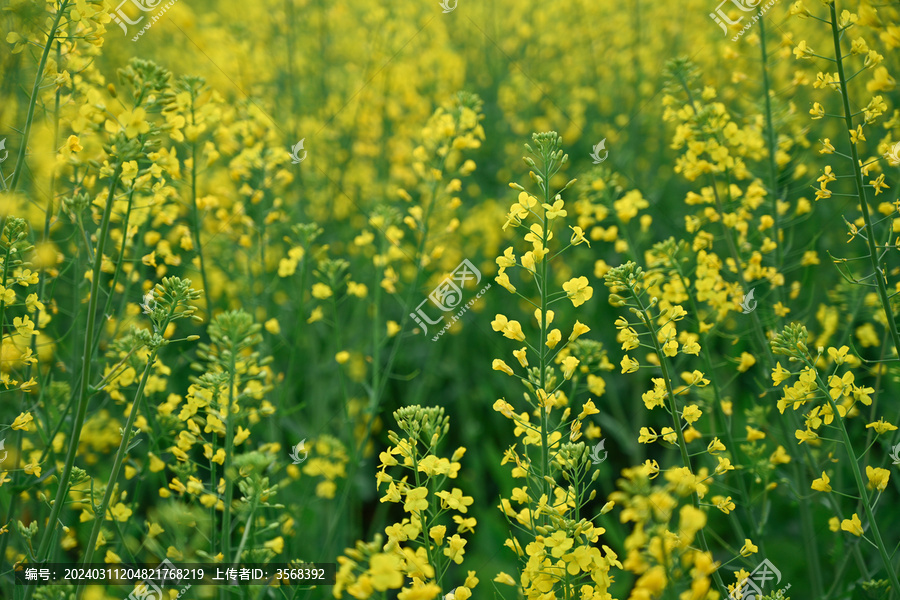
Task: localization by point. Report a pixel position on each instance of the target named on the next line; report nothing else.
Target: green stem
(100, 515)
(229, 479)
(860, 484)
(676, 424)
(32, 102)
(247, 527)
(62, 490)
(195, 216)
(542, 398)
(861, 191)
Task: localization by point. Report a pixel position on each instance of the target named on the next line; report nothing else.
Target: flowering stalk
(82, 394)
(792, 343)
(626, 279)
(880, 275)
(561, 554)
(32, 101)
(170, 302)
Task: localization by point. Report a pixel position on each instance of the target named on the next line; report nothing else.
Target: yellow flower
(239, 437)
(23, 421)
(724, 465)
(878, 478)
(578, 290)
(852, 525)
(415, 500)
(321, 291)
(437, 533)
(647, 435)
(588, 409)
(879, 184)
(691, 413)
(715, 447)
(747, 361)
(33, 469)
(780, 456)
(454, 550)
(553, 338)
(273, 327)
(503, 279)
(856, 135)
(276, 545)
(120, 512)
(801, 50)
(73, 144)
(754, 434)
(578, 330)
(499, 365)
(386, 571)
(555, 211)
(724, 504)
(569, 365)
(779, 374)
(748, 548)
(881, 426)
(629, 365)
(822, 484)
(393, 328)
(670, 348)
(522, 356)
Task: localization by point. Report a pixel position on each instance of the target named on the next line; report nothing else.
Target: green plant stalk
(376, 393)
(62, 491)
(248, 526)
(5, 276)
(195, 217)
(424, 517)
(542, 398)
(770, 140)
(32, 102)
(229, 451)
(13, 501)
(861, 191)
(726, 429)
(100, 515)
(676, 425)
(806, 520)
(118, 270)
(860, 485)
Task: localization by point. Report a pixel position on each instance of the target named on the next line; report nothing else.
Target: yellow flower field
(449, 300)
